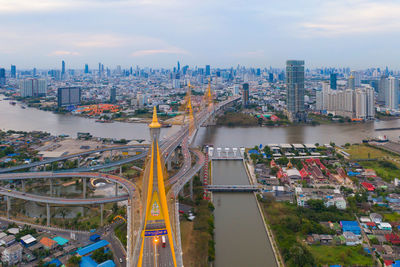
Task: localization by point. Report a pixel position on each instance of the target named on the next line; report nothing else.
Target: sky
(223, 33)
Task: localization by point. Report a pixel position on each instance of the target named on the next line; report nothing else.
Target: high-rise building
(2, 77)
(382, 84)
(13, 71)
(245, 95)
(179, 67)
(100, 69)
(295, 89)
(271, 77)
(67, 96)
(63, 68)
(113, 94)
(357, 78)
(86, 68)
(392, 93)
(333, 81)
(351, 83)
(33, 88)
(208, 70)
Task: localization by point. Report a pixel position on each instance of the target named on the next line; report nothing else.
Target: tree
(300, 256)
(74, 261)
(316, 204)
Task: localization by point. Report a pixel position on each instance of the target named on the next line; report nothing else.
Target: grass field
(344, 255)
(392, 217)
(386, 166)
(361, 151)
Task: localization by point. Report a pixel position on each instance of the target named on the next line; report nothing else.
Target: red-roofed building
(368, 186)
(272, 164)
(393, 238)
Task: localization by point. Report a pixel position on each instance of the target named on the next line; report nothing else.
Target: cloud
(150, 52)
(353, 17)
(64, 53)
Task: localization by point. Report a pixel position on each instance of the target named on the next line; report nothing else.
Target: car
(9, 190)
(120, 260)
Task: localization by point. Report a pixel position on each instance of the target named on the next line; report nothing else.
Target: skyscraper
(86, 68)
(333, 79)
(392, 93)
(13, 71)
(2, 77)
(382, 84)
(351, 83)
(245, 96)
(113, 94)
(179, 66)
(208, 70)
(63, 68)
(295, 89)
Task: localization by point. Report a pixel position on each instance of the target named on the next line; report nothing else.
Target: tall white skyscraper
(392, 93)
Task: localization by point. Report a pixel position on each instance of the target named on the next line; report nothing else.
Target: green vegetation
(73, 261)
(237, 119)
(387, 170)
(198, 236)
(392, 217)
(120, 232)
(100, 256)
(344, 255)
(291, 224)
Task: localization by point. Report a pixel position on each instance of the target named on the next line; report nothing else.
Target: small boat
(381, 139)
(104, 121)
(166, 125)
(23, 107)
(13, 103)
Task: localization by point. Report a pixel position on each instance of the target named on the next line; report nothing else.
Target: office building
(33, 87)
(333, 81)
(113, 95)
(67, 96)
(271, 77)
(245, 95)
(381, 89)
(63, 69)
(13, 71)
(208, 70)
(392, 93)
(357, 78)
(295, 90)
(351, 83)
(86, 68)
(2, 77)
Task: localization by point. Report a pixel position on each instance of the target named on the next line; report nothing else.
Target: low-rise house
(48, 243)
(13, 231)
(12, 255)
(28, 240)
(7, 240)
(384, 226)
(376, 218)
(351, 239)
(393, 238)
(325, 239)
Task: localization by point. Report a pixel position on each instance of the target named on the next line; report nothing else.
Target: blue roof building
(89, 249)
(57, 262)
(351, 226)
(89, 262)
(60, 240)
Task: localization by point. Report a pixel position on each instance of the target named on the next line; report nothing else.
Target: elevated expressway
(167, 146)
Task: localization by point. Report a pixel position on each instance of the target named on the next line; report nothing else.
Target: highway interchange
(167, 146)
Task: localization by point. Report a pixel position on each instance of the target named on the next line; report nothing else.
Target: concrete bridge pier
(101, 214)
(48, 213)
(23, 185)
(191, 188)
(51, 187)
(116, 189)
(120, 170)
(8, 207)
(84, 185)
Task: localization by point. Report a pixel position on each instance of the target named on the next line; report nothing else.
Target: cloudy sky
(223, 33)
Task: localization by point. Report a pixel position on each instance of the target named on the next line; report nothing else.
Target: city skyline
(153, 33)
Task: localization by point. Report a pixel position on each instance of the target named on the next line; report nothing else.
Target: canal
(240, 236)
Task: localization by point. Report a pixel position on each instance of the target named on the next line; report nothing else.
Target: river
(13, 117)
(240, 236)
(30, 119)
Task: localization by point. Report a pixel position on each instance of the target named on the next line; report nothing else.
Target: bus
(163, 241)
